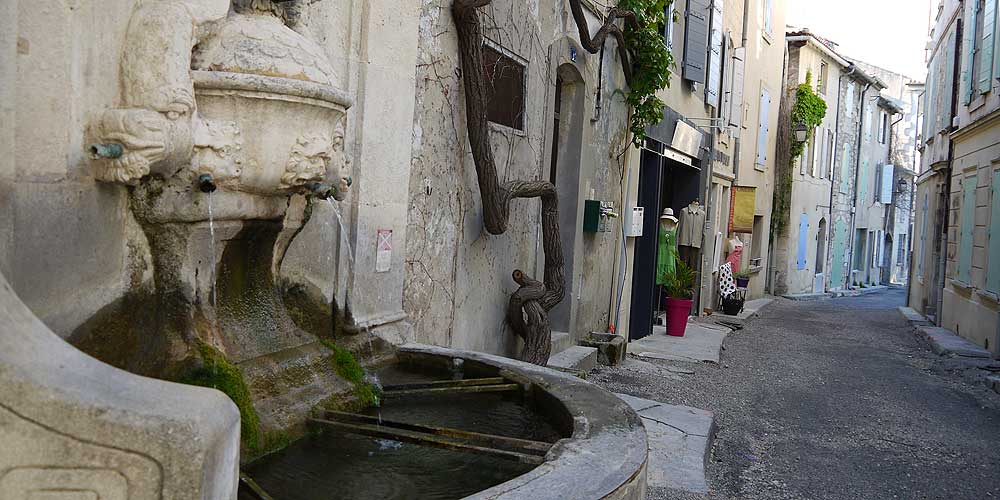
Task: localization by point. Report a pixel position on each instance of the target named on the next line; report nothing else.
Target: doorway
(564, 173)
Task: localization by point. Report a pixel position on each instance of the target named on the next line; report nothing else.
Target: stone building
(836, 232)
(716, 139)
(954, 282)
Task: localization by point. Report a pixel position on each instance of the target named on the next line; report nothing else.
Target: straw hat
(668, 214)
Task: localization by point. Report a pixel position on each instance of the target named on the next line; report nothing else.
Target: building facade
(714, 146)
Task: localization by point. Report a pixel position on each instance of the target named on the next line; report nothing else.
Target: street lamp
(901, 186)
(800, 131)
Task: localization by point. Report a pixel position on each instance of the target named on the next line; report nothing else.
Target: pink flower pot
(678, 311)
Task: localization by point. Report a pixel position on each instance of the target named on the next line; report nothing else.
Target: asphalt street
(833, 399)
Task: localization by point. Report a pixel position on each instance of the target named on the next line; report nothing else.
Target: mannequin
(692, 224)
(666, 256)
(735, 248)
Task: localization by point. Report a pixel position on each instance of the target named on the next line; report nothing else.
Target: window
(968, 219)
(883, 128)
(901, 247)
(815, 158)
(821, 82)
(668, 30)
(506, 76)
(757, 242)
(803, 164)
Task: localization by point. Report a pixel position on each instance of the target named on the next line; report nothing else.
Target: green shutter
(845, 180)
(986, 51)
(968, 82)
(837, 269)
(993, 259)
(968, 219)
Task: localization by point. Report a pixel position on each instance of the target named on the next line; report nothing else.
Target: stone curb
(913, 317)
(859, 291)
(807, 296)
(944, 342)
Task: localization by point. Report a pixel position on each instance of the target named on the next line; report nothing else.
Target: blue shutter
(993, 259)
(923, 237)
(762, 131)
(845, 169)
(713, 88)
(803, 240)
(968, 79)
(986, 51)
(839, 247)
(696, 40)
(887, 180)
(968, 226)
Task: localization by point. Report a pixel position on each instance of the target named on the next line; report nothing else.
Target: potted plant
(680, 294)
(742, 278)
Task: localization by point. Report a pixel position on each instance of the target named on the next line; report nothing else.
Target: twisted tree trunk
(528, 307)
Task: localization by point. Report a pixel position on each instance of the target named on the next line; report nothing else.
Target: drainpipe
(857, 170)
(833, 173)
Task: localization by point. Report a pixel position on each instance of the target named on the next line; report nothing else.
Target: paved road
(834, 399)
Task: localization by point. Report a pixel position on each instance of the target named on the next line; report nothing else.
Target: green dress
(666, 257)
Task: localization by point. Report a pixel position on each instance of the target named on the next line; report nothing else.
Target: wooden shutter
(985, 68)
(803, 241)
(993, 257)
(713, 89)
(736, 104)
(969, 41)
(968, 219)
(845, 168)
(696, 40)
(949, 82)
(885, 196)
(762, 130)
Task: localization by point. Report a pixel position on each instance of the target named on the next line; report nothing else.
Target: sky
(887, 33)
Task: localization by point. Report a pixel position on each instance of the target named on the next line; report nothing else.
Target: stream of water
(211, 233)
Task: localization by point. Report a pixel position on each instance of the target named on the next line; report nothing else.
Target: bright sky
(887, 33)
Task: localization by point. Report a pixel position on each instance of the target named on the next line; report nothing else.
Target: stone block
(611, 348)
(561, 341)
(944, 342)
(575, 358)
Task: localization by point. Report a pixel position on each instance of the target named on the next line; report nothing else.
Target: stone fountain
(230, 128)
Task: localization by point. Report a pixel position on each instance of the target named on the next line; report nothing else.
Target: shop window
(506, 76)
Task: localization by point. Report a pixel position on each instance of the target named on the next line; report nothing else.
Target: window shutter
(989, 14)
(968, 81)
(696, 40)
(887, 174)
(993, 258)
(845, 180)
(849, 100)
(866, 117)
(863, 183)
(713, 89)
(736, 105)
(923, 237)
(768, 17)
(949, 82)
(803, 240)
(968, 214)
(762, 132)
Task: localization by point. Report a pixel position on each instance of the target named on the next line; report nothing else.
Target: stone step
(575, 358)
(561, 341)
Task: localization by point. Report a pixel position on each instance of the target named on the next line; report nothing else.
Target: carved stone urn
(230, 128)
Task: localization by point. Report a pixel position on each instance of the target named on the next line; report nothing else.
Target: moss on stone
(218, 373)
(349, 369)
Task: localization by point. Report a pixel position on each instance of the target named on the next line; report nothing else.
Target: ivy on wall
(809, 110)
(652, 63)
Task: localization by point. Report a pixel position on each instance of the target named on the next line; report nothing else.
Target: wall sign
(383, 254)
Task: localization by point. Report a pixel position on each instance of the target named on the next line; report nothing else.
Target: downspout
(857, 170)
(833, 170)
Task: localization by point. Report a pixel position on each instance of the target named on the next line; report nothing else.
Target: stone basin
(265, 134)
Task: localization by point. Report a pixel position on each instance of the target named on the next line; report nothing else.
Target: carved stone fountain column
(226, 124)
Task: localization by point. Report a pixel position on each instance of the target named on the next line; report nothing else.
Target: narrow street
(832, 399)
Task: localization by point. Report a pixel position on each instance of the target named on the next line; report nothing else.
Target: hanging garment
(735, 256)
(692, 224)
(666, 257)
(726, 283)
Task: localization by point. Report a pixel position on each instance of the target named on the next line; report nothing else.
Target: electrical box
(633, 226)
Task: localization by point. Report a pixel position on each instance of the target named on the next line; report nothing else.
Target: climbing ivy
(652, 63)
(809, 109)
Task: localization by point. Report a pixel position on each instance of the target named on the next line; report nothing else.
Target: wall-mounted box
(591, 216)
(633, 223)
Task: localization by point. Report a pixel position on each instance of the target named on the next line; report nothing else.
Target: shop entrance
(663, 183)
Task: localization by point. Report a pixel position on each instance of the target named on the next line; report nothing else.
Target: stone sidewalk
(680, 442)
(701, 343)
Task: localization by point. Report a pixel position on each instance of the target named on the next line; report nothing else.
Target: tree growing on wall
(646, 63)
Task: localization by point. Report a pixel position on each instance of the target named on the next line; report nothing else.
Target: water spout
(321, 190)
(110, 150)
(206, 184)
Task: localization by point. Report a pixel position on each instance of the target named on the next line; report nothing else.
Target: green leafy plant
(681, 284)
(809, 110)
(652, 63)
(744, 274)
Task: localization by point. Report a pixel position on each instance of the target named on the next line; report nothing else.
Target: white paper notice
(383, 255)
